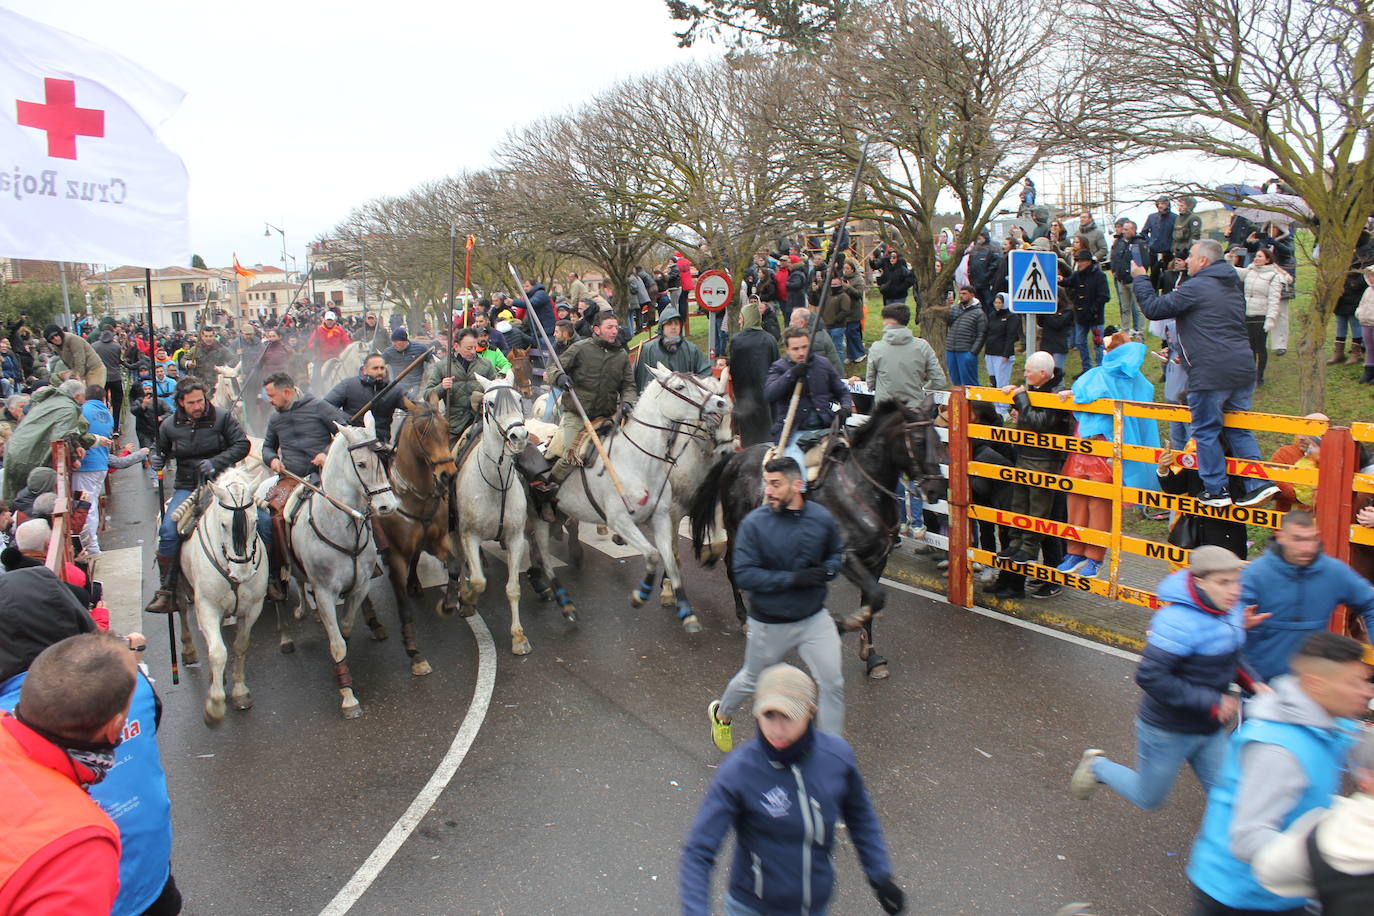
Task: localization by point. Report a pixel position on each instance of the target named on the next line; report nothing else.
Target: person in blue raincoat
(1118, 378)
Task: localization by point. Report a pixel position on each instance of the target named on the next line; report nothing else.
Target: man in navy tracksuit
(1299, 587)
(784, 554)
(784, 794)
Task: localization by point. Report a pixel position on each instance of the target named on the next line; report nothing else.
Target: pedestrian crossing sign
(1034, 282)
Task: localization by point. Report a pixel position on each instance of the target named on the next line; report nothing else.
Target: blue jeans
(837, 337)
(167, 537)
(963, 367)
(1207, 408)
(265, 527)
(911, 505)
(1347, 326)
(1082, 338)
(854, 334)
(1059, 360)
(1159, 755)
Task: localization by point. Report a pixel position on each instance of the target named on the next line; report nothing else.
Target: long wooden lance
(157, 422)
(336, 503)
(835, 257)
(452, 267)
(533, 319)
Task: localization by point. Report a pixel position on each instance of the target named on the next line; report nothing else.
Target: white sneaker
(987, 576)
(1083, 783)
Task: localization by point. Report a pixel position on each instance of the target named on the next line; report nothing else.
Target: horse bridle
(908, 426)
(374, 446)
(249, 558)
(489, 413)
(701, 407)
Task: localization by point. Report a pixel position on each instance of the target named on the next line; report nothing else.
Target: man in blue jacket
(1214, 349)
(1158, 233)
(1298, 586)
(784, 822)
(1285, 760)
(784, 554)
(821, 387)
(1192, 654)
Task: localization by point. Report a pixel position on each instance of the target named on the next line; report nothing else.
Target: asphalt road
(594, 753)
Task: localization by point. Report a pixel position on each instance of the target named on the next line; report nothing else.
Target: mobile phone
(1135, 256)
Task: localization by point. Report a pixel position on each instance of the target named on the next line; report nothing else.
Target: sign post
(1034, 288)
(714, 291)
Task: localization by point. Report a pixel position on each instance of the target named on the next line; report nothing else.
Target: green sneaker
(722, 733)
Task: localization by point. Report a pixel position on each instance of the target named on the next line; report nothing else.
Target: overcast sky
(297, 112)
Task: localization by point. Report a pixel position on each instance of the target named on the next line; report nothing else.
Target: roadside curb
(903, 567)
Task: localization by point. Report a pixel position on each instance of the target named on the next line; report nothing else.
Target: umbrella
(1234, 193)
(1278, 208)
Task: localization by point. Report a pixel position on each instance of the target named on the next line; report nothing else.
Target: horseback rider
(298, 436)
(598, 370)
(208, 355)
(457, 379)
(821, 386)
(204, 441)
(353, 394)
(669, 350)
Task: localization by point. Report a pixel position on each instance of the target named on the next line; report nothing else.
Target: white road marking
(120, 571)
(1018, 622)
(400, 831)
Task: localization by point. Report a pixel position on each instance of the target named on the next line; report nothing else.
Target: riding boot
(1339, 356)
(276, 560)
(383, 545)
(164, 599)
(1368, 377)
(1356, 357)
(537, 471)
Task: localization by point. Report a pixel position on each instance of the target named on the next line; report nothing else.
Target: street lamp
(267, 231)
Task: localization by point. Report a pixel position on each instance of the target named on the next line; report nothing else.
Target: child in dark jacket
(1192, 654)
(785, 822)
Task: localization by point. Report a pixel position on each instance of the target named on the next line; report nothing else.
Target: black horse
(858, 484)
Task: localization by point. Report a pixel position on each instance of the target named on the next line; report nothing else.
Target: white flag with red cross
(85, 176)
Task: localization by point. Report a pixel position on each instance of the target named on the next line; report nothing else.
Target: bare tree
(797, 23)
(1282, 86)
(958, 103)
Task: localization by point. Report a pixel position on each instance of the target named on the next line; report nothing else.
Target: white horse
(224, 575)
(492, 502)
(332, 549)
(344, 366)
(641, 454)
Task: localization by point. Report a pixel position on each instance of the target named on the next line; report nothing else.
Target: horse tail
(704, 508)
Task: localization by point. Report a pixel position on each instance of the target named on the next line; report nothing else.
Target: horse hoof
(242, 702)
(288, 647)
(212, 720)
(189, 657)
(420, 668)
(378, 633)
(298, 612)
(353, 712)
(522, 647)
(636, 600)
(617, 540)
(691, 624)
(667, 599)
(570, 613)
(467, 610)
(602, 530)
(877, 667)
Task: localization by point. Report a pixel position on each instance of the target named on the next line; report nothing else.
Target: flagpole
(157, 422)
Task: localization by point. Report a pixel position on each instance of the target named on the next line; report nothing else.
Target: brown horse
(421, 471)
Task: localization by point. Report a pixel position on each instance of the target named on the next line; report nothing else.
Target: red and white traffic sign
(714, 290)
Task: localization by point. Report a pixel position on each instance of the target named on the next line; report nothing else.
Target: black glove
(207, 468)
(810, 577)
(889, 895)
(843, 414)
(625, 408)
(800, 369)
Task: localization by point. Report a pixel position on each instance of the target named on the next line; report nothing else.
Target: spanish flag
(240, 269)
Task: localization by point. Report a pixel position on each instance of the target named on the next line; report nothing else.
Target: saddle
(279, 505)
(582, 450)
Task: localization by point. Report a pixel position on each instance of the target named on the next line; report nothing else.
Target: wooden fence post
(960, 589)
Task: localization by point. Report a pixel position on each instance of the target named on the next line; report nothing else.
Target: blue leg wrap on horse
(684, 610)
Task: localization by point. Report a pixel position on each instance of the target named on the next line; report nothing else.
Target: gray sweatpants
(817, 641)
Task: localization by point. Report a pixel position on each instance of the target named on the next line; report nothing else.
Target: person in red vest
(61, 852)
(329, 339)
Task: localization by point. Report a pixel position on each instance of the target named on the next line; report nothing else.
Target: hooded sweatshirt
(677, 355)
(1284, 760)
(903, 366)
(1119, 377)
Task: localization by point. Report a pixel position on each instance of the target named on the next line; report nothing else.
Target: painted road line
(1018, 622)
(448, 767)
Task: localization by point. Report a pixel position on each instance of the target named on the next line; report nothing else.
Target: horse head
(354, 462)
(229, 514)
(502, 414)
(683, 398)
(424, 437)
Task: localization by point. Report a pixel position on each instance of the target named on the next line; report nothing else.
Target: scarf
(793, 752)
(91, 760)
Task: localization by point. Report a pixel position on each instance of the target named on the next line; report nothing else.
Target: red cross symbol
(60, 117)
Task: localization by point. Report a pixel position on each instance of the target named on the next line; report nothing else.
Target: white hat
(330, 316)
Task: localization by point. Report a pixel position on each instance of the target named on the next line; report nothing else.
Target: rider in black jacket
(353, 394)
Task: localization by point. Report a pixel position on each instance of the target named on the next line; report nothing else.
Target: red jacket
(59, 853)
(328, 343)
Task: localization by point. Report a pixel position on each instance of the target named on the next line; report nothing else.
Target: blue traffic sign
(1034, 279)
